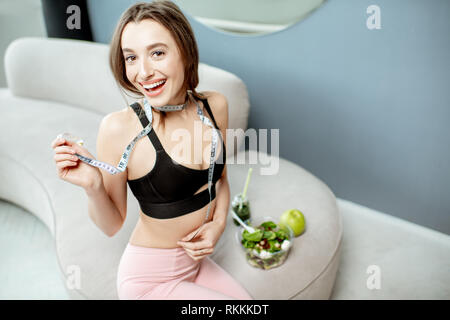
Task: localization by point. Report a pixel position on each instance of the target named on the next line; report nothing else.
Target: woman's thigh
(149, 273)
(213, 276)
(184, 290)
(211, 282)
(142, 270)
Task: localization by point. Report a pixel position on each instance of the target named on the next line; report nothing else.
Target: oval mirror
(249, 17)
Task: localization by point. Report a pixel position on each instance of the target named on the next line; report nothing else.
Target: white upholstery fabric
(413, 261)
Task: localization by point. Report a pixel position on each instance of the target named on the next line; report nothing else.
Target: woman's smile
(152, 90)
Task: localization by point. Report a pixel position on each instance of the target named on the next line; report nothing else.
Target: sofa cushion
(410, 261)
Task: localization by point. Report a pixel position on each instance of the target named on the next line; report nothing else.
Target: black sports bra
(167, 191)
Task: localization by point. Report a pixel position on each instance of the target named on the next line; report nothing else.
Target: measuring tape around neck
(125, 156)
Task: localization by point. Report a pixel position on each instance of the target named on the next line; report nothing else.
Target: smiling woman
(153, 54)
(177, 56)
(151, 87)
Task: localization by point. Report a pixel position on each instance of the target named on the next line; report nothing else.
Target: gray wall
(366, 111)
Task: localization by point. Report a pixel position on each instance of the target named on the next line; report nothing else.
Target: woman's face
(151, 54)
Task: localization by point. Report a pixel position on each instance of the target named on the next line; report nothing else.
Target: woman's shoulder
(118, 121)
(219, 107)
(213, 96)
(117, 126)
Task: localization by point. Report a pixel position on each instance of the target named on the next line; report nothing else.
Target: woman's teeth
(153, 85)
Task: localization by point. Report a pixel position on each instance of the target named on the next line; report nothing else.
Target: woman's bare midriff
(164, 233)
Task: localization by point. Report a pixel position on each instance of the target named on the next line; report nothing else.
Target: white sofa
(57, 85)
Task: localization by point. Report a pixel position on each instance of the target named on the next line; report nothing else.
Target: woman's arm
(223, 201)
(219, 104)
(103, 211)
(107, 200)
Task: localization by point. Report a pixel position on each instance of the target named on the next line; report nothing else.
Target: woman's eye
(161, 53)
(127, 59)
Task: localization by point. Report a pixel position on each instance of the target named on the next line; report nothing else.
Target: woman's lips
(153, 93)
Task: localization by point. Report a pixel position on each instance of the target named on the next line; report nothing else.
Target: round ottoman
(310, 269)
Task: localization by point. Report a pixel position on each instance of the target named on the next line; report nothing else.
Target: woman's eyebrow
(148, 47)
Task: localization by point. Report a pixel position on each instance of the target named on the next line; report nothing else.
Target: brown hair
(169, 15)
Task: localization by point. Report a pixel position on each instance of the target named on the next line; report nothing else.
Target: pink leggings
(157, 273)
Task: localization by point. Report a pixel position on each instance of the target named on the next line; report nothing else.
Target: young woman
(154, 54)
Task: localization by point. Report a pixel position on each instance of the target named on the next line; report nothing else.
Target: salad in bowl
(268, 246)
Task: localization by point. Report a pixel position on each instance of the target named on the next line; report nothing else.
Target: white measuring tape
(125, 156)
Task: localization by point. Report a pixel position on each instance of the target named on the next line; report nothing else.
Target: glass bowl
(259, 257)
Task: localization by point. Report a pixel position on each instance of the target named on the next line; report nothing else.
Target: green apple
(295, 219)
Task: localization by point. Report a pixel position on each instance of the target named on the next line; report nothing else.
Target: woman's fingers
(64, 149)
(57, 142)
(60, 144)
(81, 150)
(199, 256)
(60, 148)
(200, 252)
(67, 163)
(65, 156)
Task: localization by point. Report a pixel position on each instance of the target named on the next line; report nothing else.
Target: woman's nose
(146, 69)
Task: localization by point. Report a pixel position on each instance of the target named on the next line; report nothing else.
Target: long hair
(169, 15)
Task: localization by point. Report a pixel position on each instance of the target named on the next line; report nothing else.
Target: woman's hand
(70, 168)
(209, 233)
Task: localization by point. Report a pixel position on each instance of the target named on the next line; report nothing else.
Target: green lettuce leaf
(268, 224)
(269, 235)
(255, 236)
